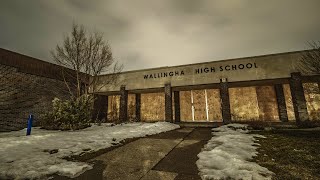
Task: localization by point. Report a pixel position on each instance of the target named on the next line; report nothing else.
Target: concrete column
(176, 98)
(298, 98)
(138, 107)
(282, 108)
(123, 116)
(100, 107)
(168, 103)
(225, 101)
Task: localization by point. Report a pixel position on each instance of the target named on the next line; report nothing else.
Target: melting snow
(29, 157)
(228, 155)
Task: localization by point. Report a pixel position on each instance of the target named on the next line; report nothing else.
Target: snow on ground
(228, 155)
(24, 156)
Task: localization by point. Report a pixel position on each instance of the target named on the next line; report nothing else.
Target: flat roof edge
(223, 60)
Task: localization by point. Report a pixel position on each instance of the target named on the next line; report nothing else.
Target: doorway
(200, 105)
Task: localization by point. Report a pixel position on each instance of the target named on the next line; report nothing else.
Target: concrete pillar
(138, 107)
(176, 98)
(225, 101)
(168, 103)
(298, 98)
(100, 107)
(282, 108)
(123, 116)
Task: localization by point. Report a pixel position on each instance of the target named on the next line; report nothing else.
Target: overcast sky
(155, 33)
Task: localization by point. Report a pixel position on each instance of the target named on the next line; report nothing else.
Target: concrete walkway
(166, 156)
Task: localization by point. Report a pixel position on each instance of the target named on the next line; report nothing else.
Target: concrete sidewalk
(166, 156)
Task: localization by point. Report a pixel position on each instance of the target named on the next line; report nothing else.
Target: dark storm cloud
(146, 33)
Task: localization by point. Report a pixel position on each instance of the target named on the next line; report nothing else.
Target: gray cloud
(145, 34)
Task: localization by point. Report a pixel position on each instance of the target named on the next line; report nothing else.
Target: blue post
(29, 124)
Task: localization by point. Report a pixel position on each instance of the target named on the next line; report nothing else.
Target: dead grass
(290, 154)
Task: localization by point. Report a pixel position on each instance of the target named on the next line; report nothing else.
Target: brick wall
(27, 85)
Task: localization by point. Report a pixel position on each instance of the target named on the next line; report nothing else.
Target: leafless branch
(310, 60)
(89, 56)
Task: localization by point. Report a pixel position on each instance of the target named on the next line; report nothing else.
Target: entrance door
(199, 101)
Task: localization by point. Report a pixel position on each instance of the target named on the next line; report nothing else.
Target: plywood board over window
(289, 103)
(113, 108)
(185, 106)
(244, 104)
(312, 94)
(199, 103)
(267, 102)
(152, 107)
(214, 105)
(132, 107)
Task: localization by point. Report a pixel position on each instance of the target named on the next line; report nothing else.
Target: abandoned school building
(260, 88)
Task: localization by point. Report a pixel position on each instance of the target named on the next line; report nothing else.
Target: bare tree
(89, 56)
(310, 60)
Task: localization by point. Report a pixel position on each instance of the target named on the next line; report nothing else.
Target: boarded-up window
(244, 104)
(289, 104)
(113, 108)
(267, 102)
(185, 106)
(132, 107)
(200, 105)
(152, 107)
(214, 105)
(312, 94)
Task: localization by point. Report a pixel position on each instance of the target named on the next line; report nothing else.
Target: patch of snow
(229, 153)
(40, 155)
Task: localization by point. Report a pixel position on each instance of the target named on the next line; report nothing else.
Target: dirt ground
(290, 154)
